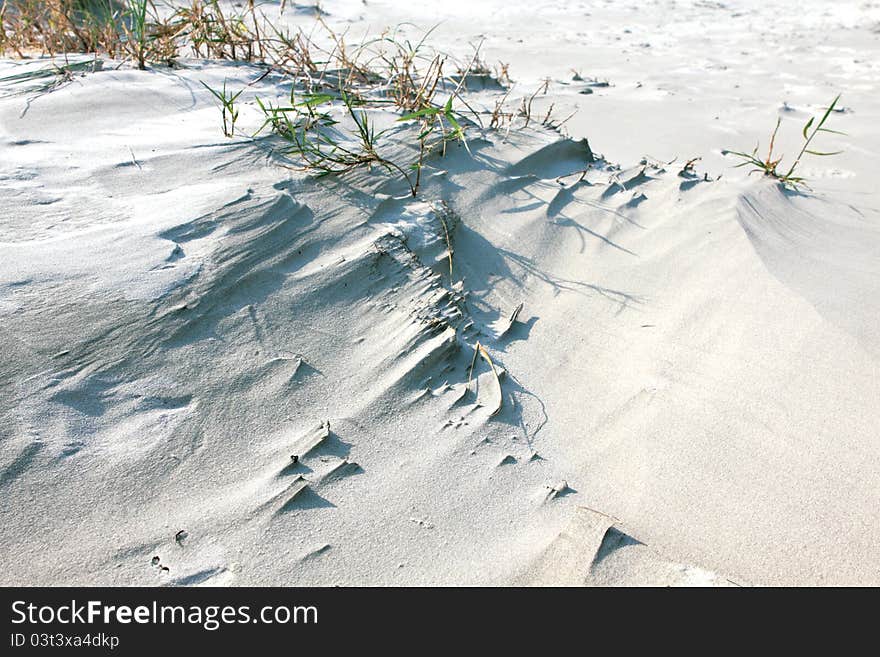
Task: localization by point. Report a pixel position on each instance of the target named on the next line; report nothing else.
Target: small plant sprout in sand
(227, 107)
(770, 165)
(432, 119)
(304, 113)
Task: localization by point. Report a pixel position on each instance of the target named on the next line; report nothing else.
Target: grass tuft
(227, 107)
(769, 166)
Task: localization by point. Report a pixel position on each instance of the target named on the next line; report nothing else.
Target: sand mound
(592, 551)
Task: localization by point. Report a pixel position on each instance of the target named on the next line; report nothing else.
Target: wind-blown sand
(689, 392)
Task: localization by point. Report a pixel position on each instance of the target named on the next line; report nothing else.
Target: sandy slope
(697, 361)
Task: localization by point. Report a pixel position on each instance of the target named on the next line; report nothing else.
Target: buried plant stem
(481, 350)
(448, 243)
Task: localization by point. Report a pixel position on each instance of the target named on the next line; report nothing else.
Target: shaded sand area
(678, 381)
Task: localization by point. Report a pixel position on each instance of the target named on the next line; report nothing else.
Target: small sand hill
(592, 551)
(547, 368)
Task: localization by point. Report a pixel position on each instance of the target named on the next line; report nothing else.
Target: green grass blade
(429, 111)
(807, 126)
(829, 110)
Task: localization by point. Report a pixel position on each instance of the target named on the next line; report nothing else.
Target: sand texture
(267, 378)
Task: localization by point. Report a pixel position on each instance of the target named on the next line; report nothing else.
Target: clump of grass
(115, 28)
(412, 76)
(130, 28)
(214, 33)
(305, 115)
(770, 165)
(382, 74)
(388, 74)
(322, 149)
(57, 26)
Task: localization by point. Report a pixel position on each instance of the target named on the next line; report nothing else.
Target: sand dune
(570, 360)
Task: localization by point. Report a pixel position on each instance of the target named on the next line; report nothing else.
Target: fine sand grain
(569, 360)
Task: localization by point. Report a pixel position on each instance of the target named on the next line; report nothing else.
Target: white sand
(696, 361)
